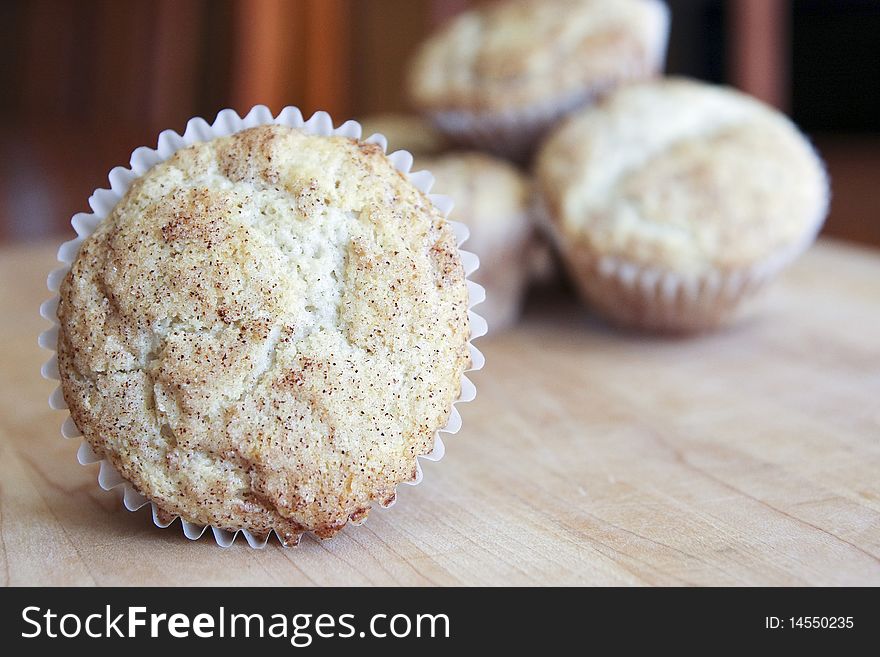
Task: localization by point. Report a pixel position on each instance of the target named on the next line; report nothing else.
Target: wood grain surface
(751, 456)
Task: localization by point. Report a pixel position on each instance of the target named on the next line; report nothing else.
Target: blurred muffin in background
(672, 201)
(499, 76)
(492, 198)
(405, 132)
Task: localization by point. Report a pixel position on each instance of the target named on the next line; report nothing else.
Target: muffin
(672, 201)
(492, 200)
(499, 76)
(405, 132)
(265, 332)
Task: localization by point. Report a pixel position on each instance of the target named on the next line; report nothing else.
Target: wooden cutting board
(751, 456)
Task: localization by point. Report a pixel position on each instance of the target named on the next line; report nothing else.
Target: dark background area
(85, 82)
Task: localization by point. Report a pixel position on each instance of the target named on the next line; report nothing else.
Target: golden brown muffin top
(682, 175)
(266, 332)
(517, 53)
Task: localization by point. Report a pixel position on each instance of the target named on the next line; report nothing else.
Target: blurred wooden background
(86, 81)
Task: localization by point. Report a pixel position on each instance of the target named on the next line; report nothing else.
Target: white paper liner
(658, 299)
(103, 201)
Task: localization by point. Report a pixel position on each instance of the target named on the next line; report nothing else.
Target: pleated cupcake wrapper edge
(665, 295)
(102, 202)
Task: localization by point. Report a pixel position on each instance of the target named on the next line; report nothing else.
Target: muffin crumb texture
(266, 332)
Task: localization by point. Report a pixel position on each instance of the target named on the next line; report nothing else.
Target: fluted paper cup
(654, 299)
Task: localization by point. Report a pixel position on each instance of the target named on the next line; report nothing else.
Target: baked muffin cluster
(668, 201)
(266, 332)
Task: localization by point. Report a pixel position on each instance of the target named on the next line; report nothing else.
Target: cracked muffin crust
(681, 175)
(266, 332)
(519, 53)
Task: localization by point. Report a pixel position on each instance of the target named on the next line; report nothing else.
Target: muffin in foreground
(265, 332)
(673, 201)
(499, 76)
(492, 200)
